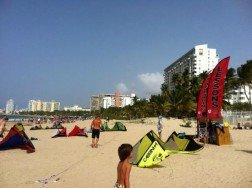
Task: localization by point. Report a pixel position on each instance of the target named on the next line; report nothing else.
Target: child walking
(124, 167)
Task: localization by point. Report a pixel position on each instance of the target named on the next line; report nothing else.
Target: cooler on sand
(223, 136)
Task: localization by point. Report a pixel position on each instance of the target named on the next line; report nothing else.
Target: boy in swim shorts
(124, 167)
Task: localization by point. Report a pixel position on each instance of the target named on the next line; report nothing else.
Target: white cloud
(122, 88)
(152, 82)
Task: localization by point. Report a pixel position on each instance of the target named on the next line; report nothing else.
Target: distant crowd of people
(41, 120)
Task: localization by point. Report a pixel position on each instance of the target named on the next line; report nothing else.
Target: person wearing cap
(3, 121)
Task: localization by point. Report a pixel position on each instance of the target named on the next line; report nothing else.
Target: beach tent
(60, 133)
(117, 127)
(185, 144)
(148, 151)
(77, 131)
(16, 138)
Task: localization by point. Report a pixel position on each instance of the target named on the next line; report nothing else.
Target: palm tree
(245, 77)
(159, 105)
(231, 83)
(180, 103)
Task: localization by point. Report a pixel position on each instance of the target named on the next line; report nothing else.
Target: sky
(70, 50)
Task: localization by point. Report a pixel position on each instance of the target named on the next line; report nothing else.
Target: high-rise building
(110, 100)
(76, 108)
(55, 106)
(197, 60)
(95, 103)
(240, 95)
(9, 106)
(32, 105)
(46, 106)
(39, 105)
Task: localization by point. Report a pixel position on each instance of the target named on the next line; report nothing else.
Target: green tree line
(182, 100)
(179, 102)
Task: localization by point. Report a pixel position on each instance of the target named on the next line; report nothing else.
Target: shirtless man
(96, 126)
(3, 121)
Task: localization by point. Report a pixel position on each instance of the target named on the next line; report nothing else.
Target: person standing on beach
(203, 124)
(124, 167)
(96, 127)
(3, 121)
(160, 126)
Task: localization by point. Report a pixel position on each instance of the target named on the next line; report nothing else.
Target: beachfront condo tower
(197, 60)
(110, 100)
(38, 105)
(9, 106)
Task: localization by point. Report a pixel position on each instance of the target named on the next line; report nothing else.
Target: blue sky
(70, 50)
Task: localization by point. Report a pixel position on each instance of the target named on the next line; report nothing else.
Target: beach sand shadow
(156, 166)
(247, 151)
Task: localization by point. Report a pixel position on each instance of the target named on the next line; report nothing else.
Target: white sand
(75, 164)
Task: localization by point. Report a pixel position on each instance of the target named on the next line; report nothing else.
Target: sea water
(21, 117)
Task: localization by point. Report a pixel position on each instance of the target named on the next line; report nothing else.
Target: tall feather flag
(215, 89)
(202, 98)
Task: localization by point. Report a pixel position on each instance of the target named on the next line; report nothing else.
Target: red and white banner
(215, 89)
(202, 98)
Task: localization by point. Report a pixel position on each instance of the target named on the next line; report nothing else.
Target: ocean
(21, 117)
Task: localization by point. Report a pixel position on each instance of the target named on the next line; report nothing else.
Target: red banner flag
(215, 89)
(202, 98)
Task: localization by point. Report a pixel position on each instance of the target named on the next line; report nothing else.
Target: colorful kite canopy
(17, 138)
(151, 150)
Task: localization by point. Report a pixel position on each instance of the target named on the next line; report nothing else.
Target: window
(200, 51)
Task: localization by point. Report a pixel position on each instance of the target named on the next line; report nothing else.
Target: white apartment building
(110, 100)
(32, 105)
(46, 106)
(239, 95)
(197, 60)
(39, 105)
(76, 108)
(55, 106)
(9, 106)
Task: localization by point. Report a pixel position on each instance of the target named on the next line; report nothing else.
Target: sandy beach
(71, 162)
